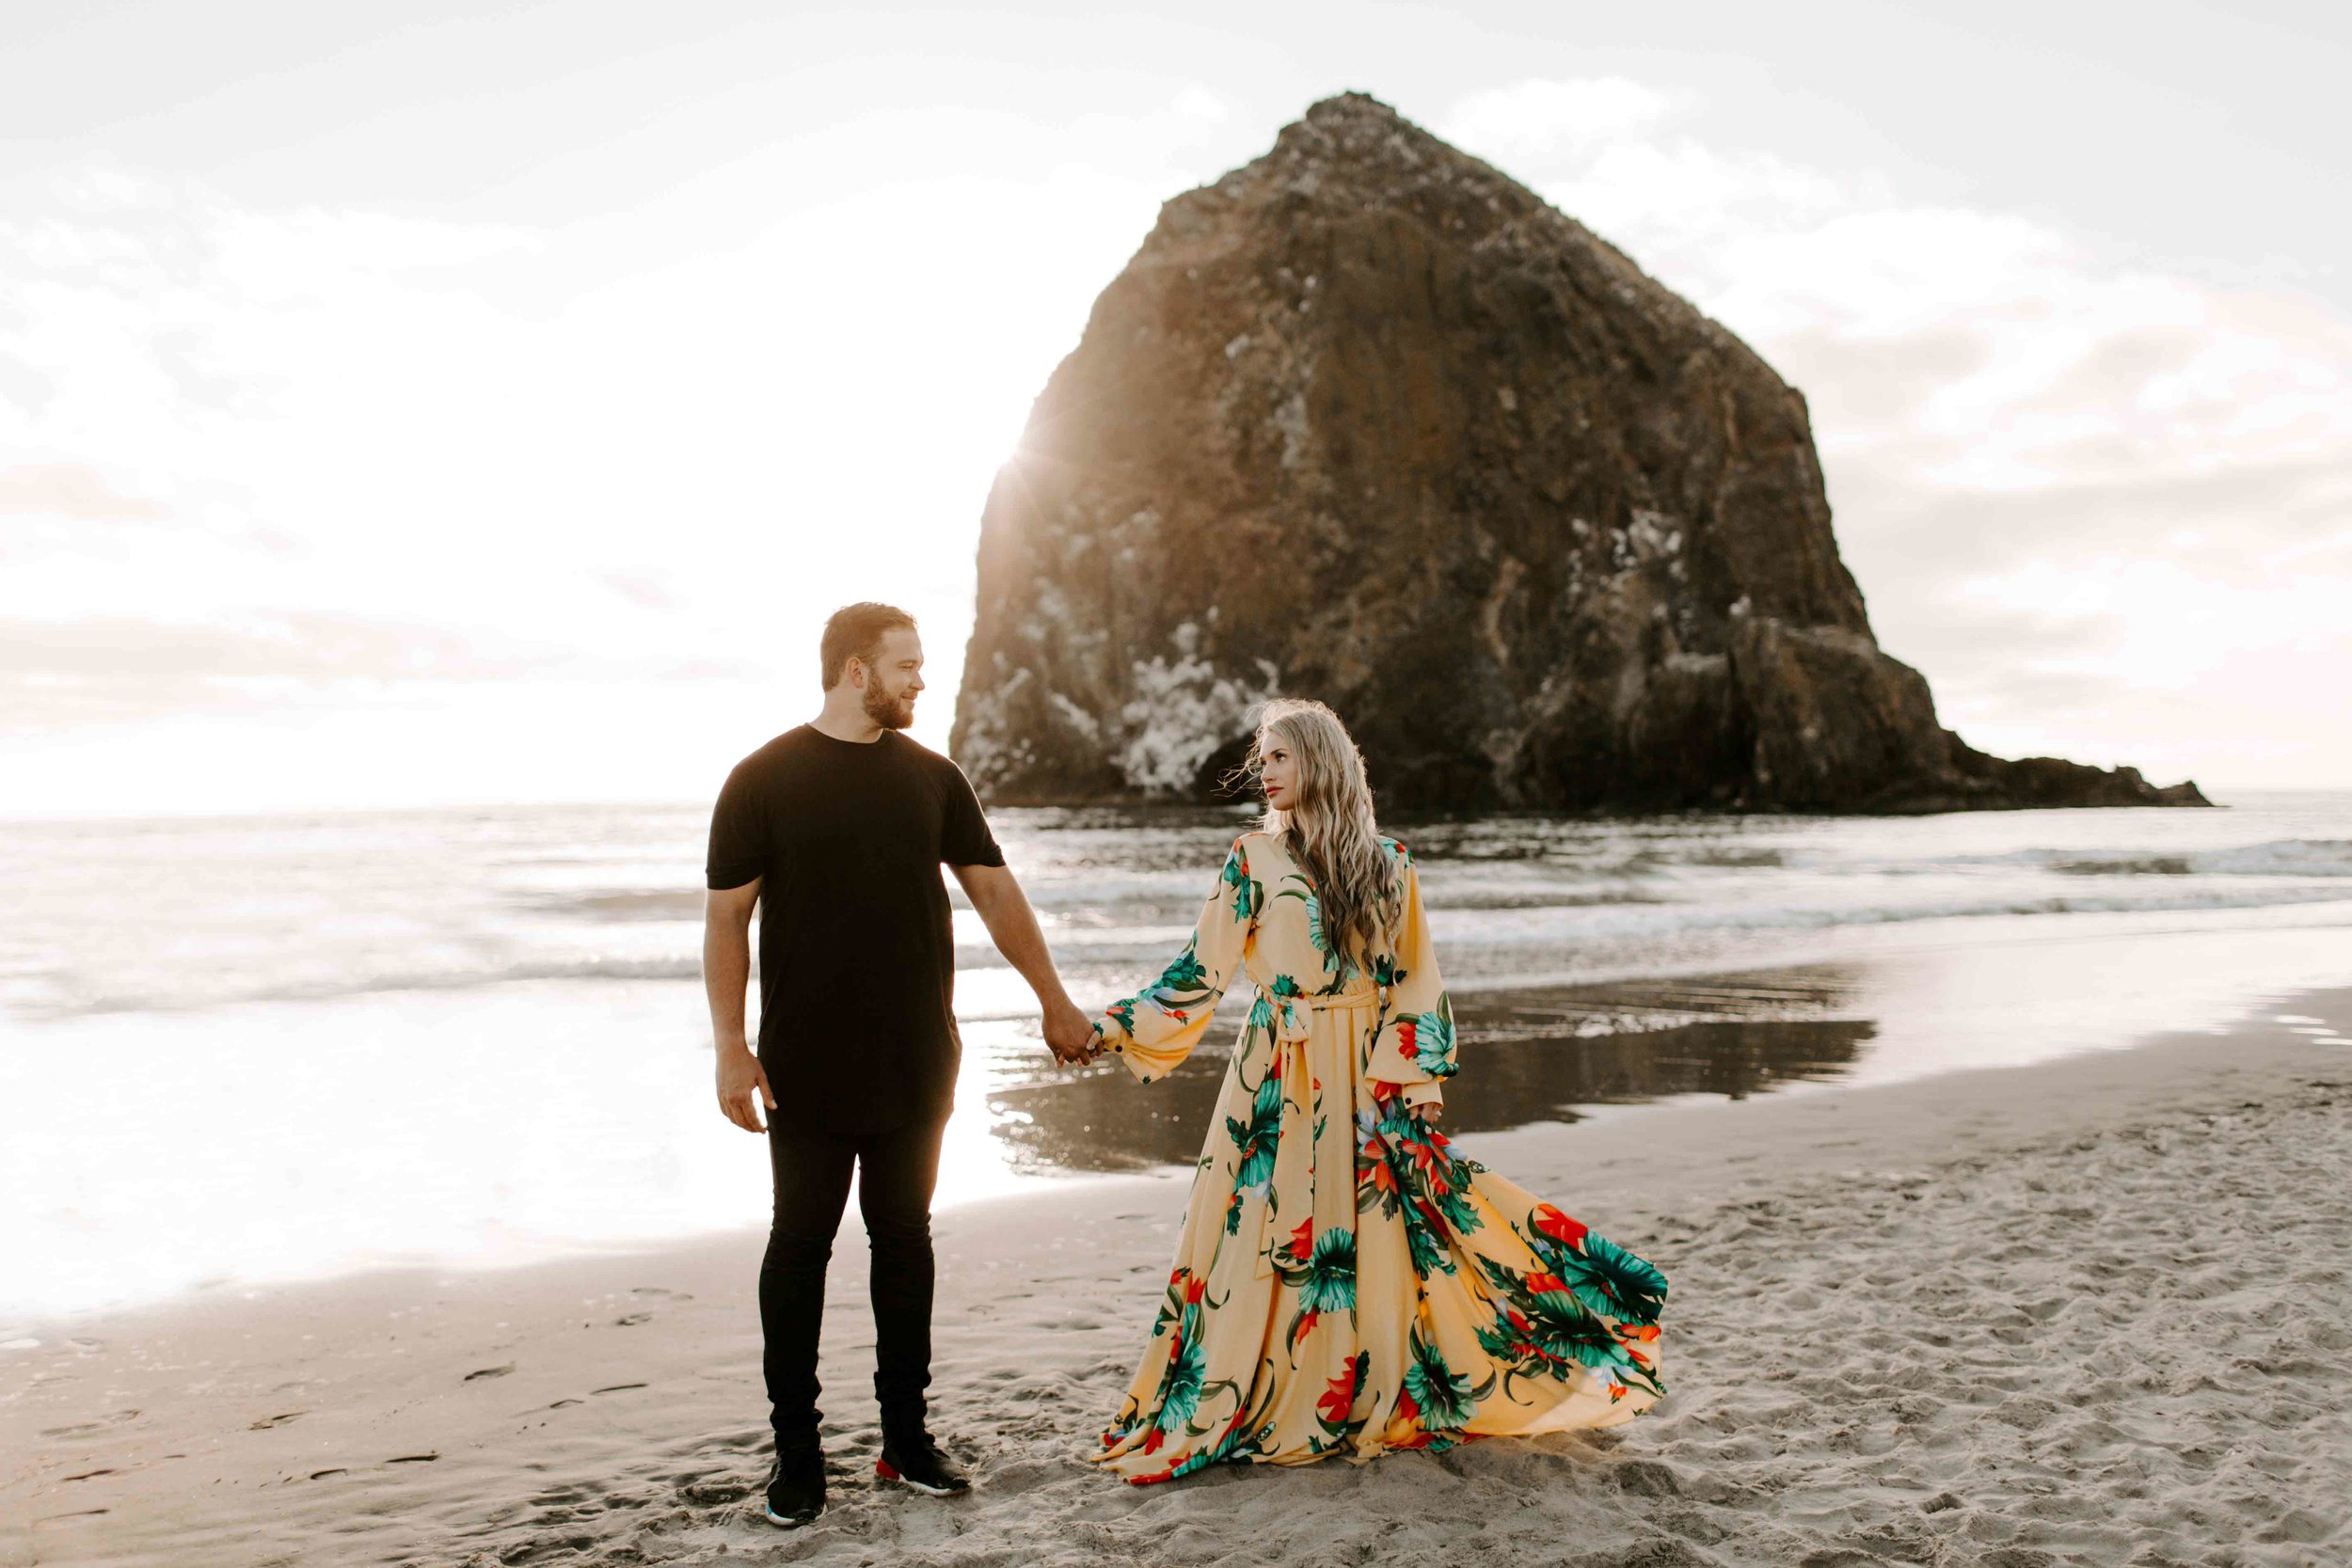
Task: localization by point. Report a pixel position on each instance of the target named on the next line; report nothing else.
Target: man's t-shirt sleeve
(965, 838)
(739, 835)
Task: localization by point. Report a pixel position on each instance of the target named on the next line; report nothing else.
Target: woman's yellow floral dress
(1344, 1281)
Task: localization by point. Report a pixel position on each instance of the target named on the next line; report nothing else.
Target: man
(836, 829)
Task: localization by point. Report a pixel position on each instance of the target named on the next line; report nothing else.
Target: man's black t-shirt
(857, 959)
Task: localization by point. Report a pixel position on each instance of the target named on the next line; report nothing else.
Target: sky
(411, 403)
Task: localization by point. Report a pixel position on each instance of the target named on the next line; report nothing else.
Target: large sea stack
(1367, 421)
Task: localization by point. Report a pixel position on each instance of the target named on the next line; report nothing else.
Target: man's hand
(1012, 926)
(1069, 1034)
(743, 1087)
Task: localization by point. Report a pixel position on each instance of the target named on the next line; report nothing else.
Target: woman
(1344, 1281)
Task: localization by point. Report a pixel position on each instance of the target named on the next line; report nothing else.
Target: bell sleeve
(1413, 1046)
(1157, 1028)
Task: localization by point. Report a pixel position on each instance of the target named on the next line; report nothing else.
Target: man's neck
(846, 724)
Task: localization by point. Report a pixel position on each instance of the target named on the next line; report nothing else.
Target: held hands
(1068, 1035)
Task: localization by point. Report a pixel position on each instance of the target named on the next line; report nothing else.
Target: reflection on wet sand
(1528, 1055)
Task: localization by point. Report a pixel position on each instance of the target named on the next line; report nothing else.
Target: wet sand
(2092, 1310)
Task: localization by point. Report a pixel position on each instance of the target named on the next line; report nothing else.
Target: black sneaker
(913, 1460)
(796, 1493)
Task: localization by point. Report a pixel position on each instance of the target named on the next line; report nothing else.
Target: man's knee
(900, 1228)
(794, 1246)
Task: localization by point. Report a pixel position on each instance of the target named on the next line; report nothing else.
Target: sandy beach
(2093, 1310)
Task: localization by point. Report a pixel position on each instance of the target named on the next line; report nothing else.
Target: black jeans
(895, 1173)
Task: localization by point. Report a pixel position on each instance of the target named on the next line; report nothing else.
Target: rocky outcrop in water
(1367, 421)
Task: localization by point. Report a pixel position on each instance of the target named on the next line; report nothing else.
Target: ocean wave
(2285, 856)
(35, 997)
(1492, 932)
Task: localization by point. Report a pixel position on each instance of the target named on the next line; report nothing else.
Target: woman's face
(1278, 769)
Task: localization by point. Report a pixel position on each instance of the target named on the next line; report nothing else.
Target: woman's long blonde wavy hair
(1329, 827)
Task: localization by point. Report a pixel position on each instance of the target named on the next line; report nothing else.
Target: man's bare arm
(1004, 908)
(727, 970)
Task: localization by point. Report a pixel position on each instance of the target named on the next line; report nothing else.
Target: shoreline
(609, 1404)
(464, 1154)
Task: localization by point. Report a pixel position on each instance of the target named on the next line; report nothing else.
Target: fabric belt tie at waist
(1330, 1194)
(1290, 1012)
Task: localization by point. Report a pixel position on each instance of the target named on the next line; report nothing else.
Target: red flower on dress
(1559, 1227)
(1546, 1282)
(1301, 1245)
(1338, 1399)
(1195, 1289)
(1404, 1039)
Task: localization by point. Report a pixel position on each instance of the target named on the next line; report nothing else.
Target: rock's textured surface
(1367, 421)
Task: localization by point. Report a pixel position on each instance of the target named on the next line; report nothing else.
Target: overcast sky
(411, 402)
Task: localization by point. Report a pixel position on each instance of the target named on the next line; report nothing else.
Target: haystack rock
(1367, 421)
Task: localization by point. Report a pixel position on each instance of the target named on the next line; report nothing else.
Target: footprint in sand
(83, 1429)
(488, 1371)
(413, 1459)
(711, 1491)
(631, 1320)
(615, 1388)
(268, 1421)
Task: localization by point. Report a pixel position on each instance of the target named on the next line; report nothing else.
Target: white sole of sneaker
(888, 1473)
(782, 1522)
(934, 1491)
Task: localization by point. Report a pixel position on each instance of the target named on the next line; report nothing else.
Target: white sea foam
(232, 911)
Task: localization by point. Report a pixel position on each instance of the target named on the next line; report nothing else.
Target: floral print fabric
(1345, 1282)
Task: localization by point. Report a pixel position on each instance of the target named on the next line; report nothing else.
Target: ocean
(242, 1049)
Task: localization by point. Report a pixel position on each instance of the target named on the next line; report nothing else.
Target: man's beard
(891, 713)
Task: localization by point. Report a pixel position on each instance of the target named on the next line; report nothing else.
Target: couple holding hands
(1344, 1280)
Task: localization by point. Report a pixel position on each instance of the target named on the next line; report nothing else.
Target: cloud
(69, 490)
(1536, 126)
(653, 447)
(2066, 483)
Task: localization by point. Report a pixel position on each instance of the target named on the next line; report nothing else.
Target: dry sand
(2097, 1311)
